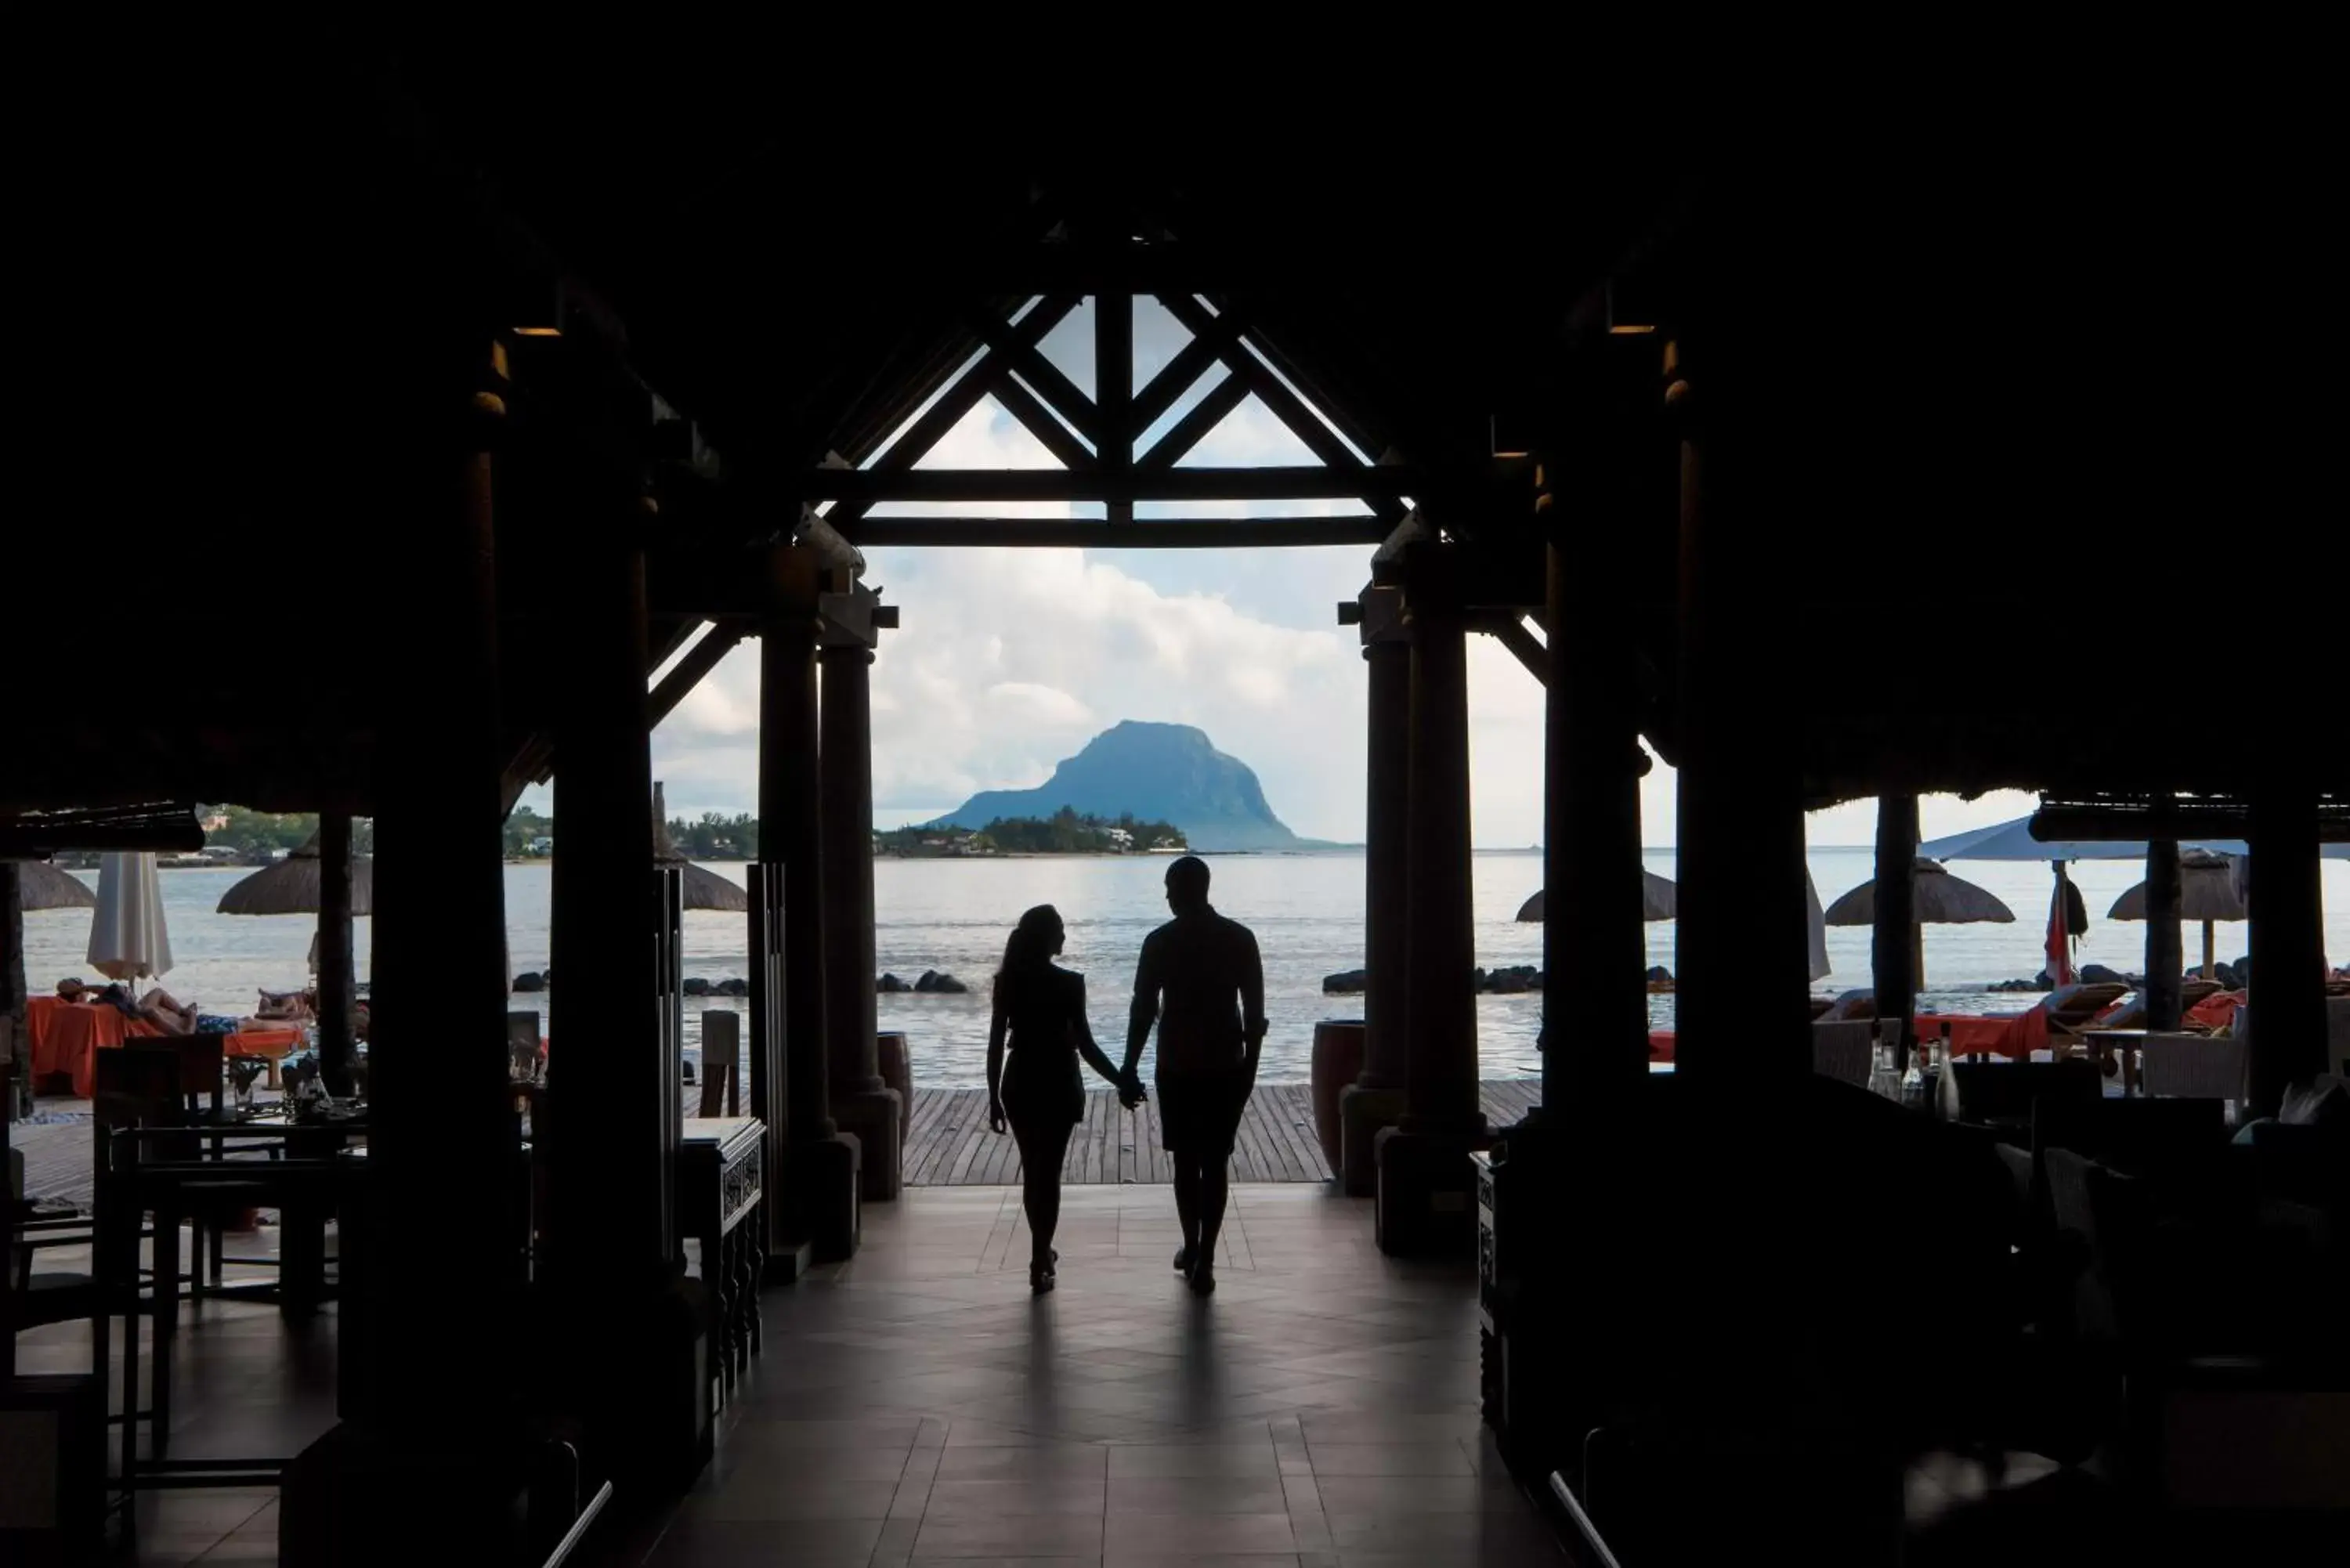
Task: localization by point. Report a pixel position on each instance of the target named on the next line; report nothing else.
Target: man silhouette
(1201, 980)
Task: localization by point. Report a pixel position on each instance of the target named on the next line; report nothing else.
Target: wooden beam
(687, 673)
(666, 644)
(1175, 378)
(1510, 632)
(1170, 267)
(163, 826)
(916, 442)
(982, 485)
(1500, 571)
(1284, 404)
(1193, 426)
(1097, 534)
(1301, 374)
(1051, 433)
(1020, 353)
(2124, 821)
(1114, 390)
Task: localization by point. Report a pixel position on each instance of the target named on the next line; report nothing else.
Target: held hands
(996, 1116)
(1129, 1091)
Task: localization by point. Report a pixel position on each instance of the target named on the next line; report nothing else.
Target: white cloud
(1040, 707)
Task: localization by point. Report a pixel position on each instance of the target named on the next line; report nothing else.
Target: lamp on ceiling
(532, 306)
(1513, 436)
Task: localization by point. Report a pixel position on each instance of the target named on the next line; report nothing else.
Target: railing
(1583, 1527)
(571, 1537)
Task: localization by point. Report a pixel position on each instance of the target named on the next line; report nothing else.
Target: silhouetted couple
(1201, 981)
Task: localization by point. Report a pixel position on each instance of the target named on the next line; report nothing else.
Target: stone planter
(1337, 1061)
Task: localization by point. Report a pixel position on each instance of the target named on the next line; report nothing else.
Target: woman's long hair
(1029, 950)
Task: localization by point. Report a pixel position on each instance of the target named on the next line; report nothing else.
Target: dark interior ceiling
(2034, 485)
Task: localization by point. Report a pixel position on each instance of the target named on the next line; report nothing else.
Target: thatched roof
(44, 887)
(291, 887)
(1942, 900)
(2207, 891)
(1660, 900)
(703, 889)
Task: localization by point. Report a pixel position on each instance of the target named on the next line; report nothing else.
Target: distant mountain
(1166, 772)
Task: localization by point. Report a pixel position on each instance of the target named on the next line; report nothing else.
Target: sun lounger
(2071, 1008)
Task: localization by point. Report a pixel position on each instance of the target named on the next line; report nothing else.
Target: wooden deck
(949, 1144)
(60, 1161)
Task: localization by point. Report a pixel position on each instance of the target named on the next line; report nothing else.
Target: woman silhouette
(1042, 1007)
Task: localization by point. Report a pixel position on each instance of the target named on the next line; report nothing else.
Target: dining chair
(1841, 1050)
(2193, 1066)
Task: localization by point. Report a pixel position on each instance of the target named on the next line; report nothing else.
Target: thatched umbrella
(291, 887)
(2207, 892)
(1942, 900)
(42, 886)
(1659, 900)
(703, 889)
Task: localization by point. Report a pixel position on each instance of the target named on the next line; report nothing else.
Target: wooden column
(2287, 996)
(1742, 987)
(15, 1051)
(817, 1196)
(12, 970)
(610, 1152)
(1375, 1099)
(789, 833)
(1441, 941)
(1426, 1202)
(862, 1103)
(444, 1180)
(1595, 947)
(2165, 962)
(1114, 390)
(1893, 937)
(334, 962)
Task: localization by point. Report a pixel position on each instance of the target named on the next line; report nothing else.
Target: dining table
(291, 1162)
(2108, 1047)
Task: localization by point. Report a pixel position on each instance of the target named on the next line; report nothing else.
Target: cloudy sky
(1009, 660)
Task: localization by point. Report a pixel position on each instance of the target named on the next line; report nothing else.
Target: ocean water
(1306, 911)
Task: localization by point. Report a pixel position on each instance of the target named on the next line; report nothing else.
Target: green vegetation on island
(257, 833)
(1065, 832)
(714, 836)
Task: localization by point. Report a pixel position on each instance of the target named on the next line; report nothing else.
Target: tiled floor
(918, 1406)
(245, 1386)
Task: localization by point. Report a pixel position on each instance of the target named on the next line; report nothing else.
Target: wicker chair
(2193, 1066)
(1840, 1049)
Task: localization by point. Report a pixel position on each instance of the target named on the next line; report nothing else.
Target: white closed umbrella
(127, 936)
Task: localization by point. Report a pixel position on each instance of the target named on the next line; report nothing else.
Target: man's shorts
(1201, 1112)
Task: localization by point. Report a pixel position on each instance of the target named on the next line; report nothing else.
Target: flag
(2059, 946)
